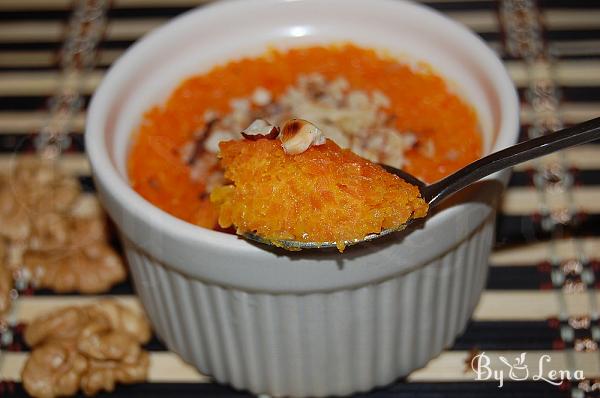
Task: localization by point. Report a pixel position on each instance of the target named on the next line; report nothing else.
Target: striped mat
(541, 293)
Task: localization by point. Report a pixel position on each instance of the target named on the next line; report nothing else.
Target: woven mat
(541, 294)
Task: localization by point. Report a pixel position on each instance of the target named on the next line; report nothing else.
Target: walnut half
(53, 233)
(90, 347)
(92, 268)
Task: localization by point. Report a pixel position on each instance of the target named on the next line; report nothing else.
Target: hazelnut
(260, 129)
(297, 135)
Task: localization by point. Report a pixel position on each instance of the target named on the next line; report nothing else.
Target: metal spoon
(434, 193)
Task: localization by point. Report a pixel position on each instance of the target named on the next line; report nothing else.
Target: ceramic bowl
(303, 324)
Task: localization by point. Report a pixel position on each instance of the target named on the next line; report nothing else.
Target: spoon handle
(519, 153)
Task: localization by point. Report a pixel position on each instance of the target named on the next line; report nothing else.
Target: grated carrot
(420, 102)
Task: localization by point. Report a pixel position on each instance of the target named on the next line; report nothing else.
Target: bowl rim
(141, 209)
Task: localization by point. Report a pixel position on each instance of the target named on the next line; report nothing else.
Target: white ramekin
(301, 324)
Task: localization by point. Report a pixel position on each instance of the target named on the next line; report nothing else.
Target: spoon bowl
(436, 192)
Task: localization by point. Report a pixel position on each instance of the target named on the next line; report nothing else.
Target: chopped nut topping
(260, 129)
(354, 119)
(261, 96)
(90, 347)
(298, 135)
(212, 142)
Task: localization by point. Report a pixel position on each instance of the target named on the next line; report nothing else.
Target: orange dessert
(322, 194)
(380, 109)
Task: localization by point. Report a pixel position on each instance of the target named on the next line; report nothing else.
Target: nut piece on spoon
(297, 135)
(260, 129)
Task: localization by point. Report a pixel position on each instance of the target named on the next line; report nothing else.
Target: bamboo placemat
(541, 294)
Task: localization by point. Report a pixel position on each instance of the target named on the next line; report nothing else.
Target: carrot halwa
(325, 194)
(381, 109)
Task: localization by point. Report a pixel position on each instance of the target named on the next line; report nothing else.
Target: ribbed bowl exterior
(315, 344)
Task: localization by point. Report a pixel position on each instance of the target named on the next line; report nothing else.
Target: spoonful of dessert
(295, 189)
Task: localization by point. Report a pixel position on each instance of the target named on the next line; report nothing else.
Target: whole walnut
(54, 369)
